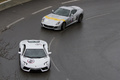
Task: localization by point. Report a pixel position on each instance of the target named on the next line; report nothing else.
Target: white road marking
(41, 10)
(69, 1)
(67, 79)
(55, 65)
(51, 42)
(8, 26)
(51, 58)
(97, 16)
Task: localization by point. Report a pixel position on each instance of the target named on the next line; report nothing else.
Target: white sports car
(62, 17)
(34, 55)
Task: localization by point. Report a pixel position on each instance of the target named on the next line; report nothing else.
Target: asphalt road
(86, 51)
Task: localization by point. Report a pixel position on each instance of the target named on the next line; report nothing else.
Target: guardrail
(4, 4)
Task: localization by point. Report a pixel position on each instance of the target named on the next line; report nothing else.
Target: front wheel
(63, 26)
(80, 18)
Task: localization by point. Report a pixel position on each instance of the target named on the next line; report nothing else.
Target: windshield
(35, 53)
(62, 12)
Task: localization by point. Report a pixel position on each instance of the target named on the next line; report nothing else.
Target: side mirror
(49, 52)
(19, 53)
(52, 11)
(71, 15)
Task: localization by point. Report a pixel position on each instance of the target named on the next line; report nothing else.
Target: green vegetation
(2, 1)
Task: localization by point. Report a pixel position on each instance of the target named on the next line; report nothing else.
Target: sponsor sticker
(31, 61)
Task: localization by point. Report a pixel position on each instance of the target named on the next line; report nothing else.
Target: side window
(73, 11)
(19, 49)
(24, 48)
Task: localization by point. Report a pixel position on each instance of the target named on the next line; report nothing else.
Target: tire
(63, 26)
(80, 18)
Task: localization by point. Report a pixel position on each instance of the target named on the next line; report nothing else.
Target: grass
(2, 1)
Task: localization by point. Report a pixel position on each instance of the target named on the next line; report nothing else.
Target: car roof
(33, 44)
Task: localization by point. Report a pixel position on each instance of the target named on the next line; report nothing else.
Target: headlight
(25, 63)
(43, 19)
(58, 23)
(46, 63)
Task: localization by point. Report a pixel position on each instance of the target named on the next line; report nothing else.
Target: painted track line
(51, 58)
(51, 42)
(41, 10)
(8, 26)
(67, 79)
(97, 16)
(55, 65)
(69, 1)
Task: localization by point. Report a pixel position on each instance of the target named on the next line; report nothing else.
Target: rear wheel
(63, 26)
(80, 18)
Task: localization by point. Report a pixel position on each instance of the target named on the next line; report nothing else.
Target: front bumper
(28, 69)
(51, 27)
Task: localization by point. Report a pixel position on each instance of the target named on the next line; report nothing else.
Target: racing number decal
(73, 18)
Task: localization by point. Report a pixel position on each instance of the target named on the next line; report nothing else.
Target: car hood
(35, 62)
(52, 19)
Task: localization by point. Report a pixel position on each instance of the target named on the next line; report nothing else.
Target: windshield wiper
(27, 56)
(37, 57)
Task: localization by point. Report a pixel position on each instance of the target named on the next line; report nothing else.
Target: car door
(73, 15)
